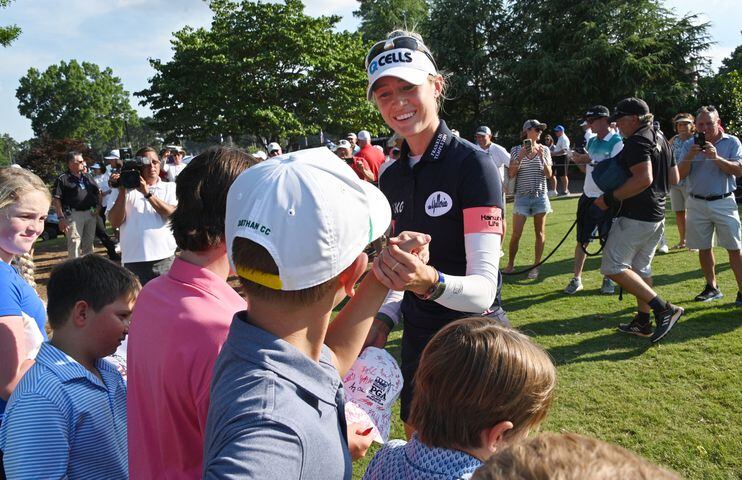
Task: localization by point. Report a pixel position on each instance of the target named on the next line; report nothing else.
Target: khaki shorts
(631, 244)
(706, 219)
(678, 197)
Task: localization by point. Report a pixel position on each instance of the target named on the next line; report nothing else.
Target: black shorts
(591, 220)
(560, 165)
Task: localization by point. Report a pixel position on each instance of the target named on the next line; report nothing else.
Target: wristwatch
(435, 290)
(148, 195)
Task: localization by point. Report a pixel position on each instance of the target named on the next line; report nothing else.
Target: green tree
(45, 156)
(73, 100)
(733, 62)
(464, 36)
(263, 69)
(9, 148)
(724, 91)
(564, 57)
(10, 32)
(379, 17)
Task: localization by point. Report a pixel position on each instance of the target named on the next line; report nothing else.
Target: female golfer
(530, 165)
(442, 186)
(24, 204)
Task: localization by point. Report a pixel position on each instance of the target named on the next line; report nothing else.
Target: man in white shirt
(142, 213)
(499, 156)
(559, 159)
(100, 176)
(605, 144)
(174, 169)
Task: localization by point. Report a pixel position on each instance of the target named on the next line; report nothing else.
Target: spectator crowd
(157, 368)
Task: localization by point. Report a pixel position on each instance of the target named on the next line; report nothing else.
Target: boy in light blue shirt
(67, 416)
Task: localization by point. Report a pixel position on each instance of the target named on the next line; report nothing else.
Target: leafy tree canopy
(264, 69)
(10, 32)
(8, 149)
(45, 155)
(74, 100)
(379, 17)
(565, 57)
(733, 62)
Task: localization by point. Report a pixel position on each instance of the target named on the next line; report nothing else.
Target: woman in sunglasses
(530, 166)
(441, 185)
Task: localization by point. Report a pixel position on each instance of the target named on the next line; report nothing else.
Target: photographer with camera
(141, 210)
(76, 200)
(711, 163)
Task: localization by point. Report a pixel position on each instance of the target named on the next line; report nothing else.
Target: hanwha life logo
(438, 203)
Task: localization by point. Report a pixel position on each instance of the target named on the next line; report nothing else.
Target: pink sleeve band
(483, 220)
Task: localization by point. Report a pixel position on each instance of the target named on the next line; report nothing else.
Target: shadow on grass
(696, 324)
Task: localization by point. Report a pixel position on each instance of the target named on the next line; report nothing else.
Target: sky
(124, 34)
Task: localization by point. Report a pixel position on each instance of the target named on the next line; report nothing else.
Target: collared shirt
(561, 146)
(76, 192)
(275, 413)
(414, 459)
(453, 175)
(145, 234)
(64, 422)
(600, 149)
(647, 145)
(179, 323)
(18, 298)
(374, 158)
(499, 156)
(705, 178)
(679, 150)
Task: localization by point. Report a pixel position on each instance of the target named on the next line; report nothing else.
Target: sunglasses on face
(409, 43)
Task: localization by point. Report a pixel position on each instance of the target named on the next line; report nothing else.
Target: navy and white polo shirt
(453, 190)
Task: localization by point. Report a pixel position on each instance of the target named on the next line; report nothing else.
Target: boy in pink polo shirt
(179, 324)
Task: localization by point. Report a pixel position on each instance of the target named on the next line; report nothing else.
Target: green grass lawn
(678, 403)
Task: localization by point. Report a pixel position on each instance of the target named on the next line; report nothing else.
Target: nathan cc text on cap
(311, 213)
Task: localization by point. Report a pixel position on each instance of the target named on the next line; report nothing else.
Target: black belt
(712, 197)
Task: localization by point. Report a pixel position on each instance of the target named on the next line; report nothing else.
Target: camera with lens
(130, 171)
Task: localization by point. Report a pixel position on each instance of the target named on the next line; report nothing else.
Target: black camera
(130, 171)
(700, 139)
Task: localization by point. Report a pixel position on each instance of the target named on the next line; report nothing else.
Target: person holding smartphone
(530, 165)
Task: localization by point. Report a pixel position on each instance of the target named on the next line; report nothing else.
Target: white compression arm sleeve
(476, 291)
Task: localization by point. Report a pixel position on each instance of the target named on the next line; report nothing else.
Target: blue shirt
(64, 422)
(415, 460)
(275, 413)
(705, 178)
(16, 299)
(679, 150)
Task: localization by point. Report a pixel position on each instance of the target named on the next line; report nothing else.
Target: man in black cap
(628, 253)
(604, 145)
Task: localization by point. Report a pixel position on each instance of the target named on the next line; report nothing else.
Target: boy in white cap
(296, 227)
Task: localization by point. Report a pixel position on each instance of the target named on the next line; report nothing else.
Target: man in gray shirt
(711, 165)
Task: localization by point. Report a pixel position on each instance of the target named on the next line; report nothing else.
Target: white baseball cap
(372, 385)
(273, 146)
(112, 155)
(364, 135)
(309, 211)
(402, 57)
(343, 144)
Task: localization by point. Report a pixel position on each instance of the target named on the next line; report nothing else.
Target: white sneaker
(552, 193)
(663, 249)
